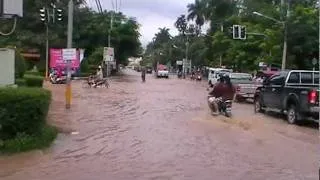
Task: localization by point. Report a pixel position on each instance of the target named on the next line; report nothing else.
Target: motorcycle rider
(223, 90)
(216, 93)
(98, 77)
(230, 91)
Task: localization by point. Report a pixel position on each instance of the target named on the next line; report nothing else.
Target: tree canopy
(90, 31)
(264, 42)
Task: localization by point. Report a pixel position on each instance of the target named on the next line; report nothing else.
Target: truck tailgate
(247, 88)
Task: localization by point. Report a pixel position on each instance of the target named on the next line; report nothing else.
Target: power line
(99, 6)
(112, 4)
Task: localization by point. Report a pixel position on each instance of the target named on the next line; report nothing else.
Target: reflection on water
(162, 130)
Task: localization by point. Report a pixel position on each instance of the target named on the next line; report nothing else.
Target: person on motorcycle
(223, 90)
(217, 93)
(230, 90)
(98, 76)
(192, 75)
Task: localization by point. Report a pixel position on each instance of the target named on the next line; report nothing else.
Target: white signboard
(262, 64)
(7, 64)
(108, 54)
(179, 62)
(69, 54)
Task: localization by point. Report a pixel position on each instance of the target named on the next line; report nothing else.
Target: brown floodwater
(162, 129)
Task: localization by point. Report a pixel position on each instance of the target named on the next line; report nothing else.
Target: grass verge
(23, 142)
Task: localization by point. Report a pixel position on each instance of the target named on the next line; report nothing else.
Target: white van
(214, 73)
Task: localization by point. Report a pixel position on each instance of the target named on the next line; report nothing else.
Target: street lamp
(283, 23)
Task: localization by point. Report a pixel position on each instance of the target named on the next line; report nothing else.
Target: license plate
(228, 109)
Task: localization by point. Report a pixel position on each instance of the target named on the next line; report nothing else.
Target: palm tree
(197, 11)
(181, 24)
(163, 35)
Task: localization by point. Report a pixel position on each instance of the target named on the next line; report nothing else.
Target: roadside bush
(24, 142)
(85, 74)
(23, 111)
(20, 65)
(34, 73)
(20, 82)
(33, 81)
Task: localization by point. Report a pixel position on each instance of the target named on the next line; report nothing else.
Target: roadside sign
(179, 62)
(108, 54)
(69, 54)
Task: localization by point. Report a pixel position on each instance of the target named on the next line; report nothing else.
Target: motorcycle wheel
(228, 114)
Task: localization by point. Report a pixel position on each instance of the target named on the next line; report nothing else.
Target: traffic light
(243, 32)
(59, 14)
(236, 32)
(43, 14)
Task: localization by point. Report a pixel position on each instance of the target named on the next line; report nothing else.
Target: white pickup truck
(162, 71)
(246, 87)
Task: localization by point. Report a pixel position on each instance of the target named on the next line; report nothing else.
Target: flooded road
(162, 130)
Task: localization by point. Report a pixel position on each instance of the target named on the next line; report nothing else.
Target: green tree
(196, 12)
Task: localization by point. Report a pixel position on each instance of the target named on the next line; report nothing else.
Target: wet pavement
(162, 130)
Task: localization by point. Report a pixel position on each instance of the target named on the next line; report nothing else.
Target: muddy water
(161, 129)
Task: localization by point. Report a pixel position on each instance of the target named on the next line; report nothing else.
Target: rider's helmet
(221, 78)
(226, 77)
(99, 67)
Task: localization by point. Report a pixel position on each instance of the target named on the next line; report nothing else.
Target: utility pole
(284, 13)
(109, 41)
(69, 45)
(220, 56)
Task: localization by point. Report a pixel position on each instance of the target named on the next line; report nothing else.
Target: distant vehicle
(214, 73)
(149, 70)
(246, 87)
(162, 71)
(294, 93)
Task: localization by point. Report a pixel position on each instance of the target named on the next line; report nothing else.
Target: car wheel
(240, 99)
(292, 114)
(257, 106)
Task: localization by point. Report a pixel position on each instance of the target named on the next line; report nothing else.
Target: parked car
(246, 87)
(162, 71)
(293, 93)
(214, 73)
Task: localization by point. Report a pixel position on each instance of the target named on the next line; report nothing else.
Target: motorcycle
(101, 83)
(179, 75)
(199, 78)
(55, 80)
(192, 77)
(224, 107)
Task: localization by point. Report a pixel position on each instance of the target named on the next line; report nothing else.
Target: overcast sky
(151, 14)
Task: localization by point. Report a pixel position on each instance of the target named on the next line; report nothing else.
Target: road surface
(162, 129)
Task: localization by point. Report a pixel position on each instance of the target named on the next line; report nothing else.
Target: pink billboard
(56, 59)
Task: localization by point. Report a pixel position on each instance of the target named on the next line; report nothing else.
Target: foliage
(90, 31)
(34, 73)
(23, 110)
(33, 81)
(20, 82)
(20, 65)
(181, 24)
(264, 39)
(24, 142)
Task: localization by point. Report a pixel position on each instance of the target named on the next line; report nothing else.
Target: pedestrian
(143, 74)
